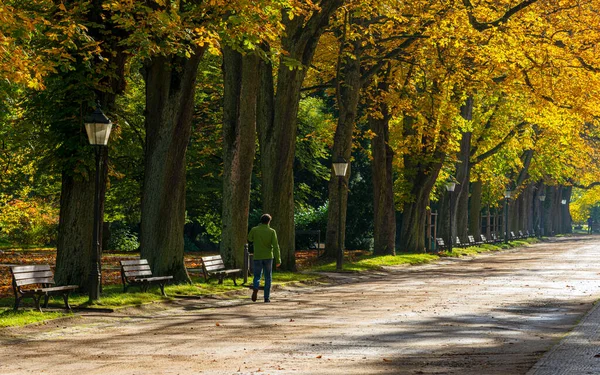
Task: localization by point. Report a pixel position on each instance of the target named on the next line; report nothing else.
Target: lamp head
(98, 127)
(340, 166)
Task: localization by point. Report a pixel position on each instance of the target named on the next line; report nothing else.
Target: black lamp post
(98, 128)
(450, 186)
(542, 198)
(340, 166)
(506, 199)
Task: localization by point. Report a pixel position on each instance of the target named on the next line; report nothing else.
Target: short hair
(265, 219)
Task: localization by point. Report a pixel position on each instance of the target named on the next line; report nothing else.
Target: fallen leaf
(217, 324)
(386, 360)
(292, 320)
(319, 356)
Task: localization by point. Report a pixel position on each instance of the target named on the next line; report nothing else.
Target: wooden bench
(440, 243)
(496, 239)
(214, 266)
(457, 243)
(138, 273)
(42, 280)
(472, 241)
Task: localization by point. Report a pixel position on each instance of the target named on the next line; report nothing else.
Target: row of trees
(489, 94)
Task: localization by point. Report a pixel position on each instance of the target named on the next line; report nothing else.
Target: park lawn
(373, 262)
(113, 297)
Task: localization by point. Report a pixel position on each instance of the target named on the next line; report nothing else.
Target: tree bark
(414, 217)
(475, 216)
(383, 186)
(278, 133)
(349, 88)
(76, 224)
(463, 176)
(170, 84)
(75, 231)
(461, 194)
(241, 84)
(566, 214)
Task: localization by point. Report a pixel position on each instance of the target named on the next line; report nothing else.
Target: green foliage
(123, 238)
(312, 218)
(311, 166)
(31, 222)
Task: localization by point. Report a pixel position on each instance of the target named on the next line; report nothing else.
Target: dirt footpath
(495, 314)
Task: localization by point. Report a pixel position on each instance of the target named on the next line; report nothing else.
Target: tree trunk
(278, 131)
(414, 218)
(566, 214)
(461, 194)
(475, 216)
(170, 84)
(349, 89)
(383, 186)
(241, 83)
(463, 176)
(75, 231)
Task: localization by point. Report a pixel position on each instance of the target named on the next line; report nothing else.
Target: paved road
(495, 314)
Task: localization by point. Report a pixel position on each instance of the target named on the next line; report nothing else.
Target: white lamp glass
(340, 166)
(542, 198)
(507, 194)
(98, 127)
(450, 186)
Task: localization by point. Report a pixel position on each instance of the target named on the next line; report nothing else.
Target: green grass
(113, 297)
(372, 262)
(10, 318)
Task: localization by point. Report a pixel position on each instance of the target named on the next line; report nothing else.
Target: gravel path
(494, 314)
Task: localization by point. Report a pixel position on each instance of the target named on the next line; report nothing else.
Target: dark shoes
(254, 294)
(267, 300)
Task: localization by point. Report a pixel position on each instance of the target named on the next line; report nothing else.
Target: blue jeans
(265, 265)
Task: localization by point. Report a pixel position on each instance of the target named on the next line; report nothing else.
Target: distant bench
(42, 277)
(214, 266)
(138, 273)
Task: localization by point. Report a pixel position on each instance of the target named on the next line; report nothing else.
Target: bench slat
(131, 262)
(155, 278)
(32, 275)
(137, 268)
(214, 268)
(225, 271)
(59, 288)
(45, 280)
(138, 273)
(214, 263)
(31, 268)
(212, 257)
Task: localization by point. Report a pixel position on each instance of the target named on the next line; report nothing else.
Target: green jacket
(265, 243)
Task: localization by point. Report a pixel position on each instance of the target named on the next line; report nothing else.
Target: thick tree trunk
(241, 83)
(463, 176)
(170, 84)
(461, 194)
(383, 186)
(566, 214)
(348, 96)
(75, 231)
(278, 129)
(475, 209)
(414, 218)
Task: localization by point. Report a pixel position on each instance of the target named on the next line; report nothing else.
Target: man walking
(266, 249)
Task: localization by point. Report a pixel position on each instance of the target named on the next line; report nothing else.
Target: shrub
(123, 238)
(31, 222)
